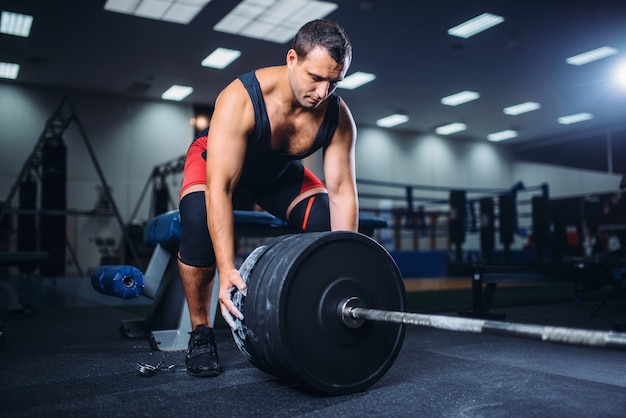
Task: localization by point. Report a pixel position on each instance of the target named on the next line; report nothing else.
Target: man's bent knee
(195, 248)
(311, 214)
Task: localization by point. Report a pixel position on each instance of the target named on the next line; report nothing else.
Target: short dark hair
(329, 35)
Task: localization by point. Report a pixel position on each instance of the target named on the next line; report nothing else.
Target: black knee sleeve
(311, 214)
(195, 248)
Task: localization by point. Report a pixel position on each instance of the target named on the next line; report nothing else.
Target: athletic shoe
(202, 359)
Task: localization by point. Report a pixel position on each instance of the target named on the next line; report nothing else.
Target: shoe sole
(209, 373)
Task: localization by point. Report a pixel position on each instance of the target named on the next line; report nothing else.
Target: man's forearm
(222, 230)
(344, 212)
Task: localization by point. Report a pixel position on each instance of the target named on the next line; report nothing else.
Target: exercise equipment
(291, 330)
(541, 225)
(26, 223)
(53, 228)
(21, 258)
(161, 200)
(506, 218)
(487, 228)
(123, 281)
(168, 324)
(327, 310)
(458, 221)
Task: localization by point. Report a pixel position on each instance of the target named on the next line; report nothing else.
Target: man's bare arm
(232, 119)
(339, 173)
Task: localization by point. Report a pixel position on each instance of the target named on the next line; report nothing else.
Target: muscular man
(263, 124)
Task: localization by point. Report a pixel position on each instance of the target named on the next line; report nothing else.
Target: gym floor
(68, 359)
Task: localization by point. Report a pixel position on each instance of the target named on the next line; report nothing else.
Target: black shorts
(195, 248)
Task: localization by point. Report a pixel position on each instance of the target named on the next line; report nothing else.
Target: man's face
(314, 78)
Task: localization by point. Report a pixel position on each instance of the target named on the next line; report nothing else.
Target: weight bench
(168, 323)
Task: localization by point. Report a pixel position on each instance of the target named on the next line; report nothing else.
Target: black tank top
(262, 164)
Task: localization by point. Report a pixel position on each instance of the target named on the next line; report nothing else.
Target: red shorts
(195, 164)
(275, 198)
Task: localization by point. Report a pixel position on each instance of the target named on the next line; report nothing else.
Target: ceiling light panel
(9, 70)
(451, 128)
(392, 120)
(502, 135)
(15, 24)
(182, 13)
(152, 9)
(475, 25)
(272, 20)
(176, 11)
(460, 98)
(593, 55)
(221, 58)
(177, 93)
(356, 80)
(518, 109)
(578, 117)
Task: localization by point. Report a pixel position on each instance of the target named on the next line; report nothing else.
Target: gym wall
(131, 136)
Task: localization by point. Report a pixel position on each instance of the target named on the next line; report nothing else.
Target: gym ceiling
(78, 45)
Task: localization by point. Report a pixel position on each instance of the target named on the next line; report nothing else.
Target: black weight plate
(321, 352)
(251, 333)
(291, 328)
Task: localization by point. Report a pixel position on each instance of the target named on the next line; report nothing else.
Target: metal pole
(143, 194)
(538, 332)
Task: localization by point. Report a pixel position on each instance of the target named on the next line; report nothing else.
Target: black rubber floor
(68, 360)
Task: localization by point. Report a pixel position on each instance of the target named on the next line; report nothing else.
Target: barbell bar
(352, 313)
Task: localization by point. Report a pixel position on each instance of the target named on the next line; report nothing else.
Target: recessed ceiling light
(9, 70)
(355, 80)
(15, 24)
(176, 11)
(460, 98)
(518, 109)
(593, 55)
(177, 93)
(272, 20)
(502, 135)
(451, 128)
(578, 117)
(392, 120)
(221, 58)
(475, 25)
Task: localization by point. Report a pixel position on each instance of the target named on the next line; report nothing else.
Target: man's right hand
(229, 280)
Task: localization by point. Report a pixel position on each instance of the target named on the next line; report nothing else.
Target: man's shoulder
(234, 89)
(346, 122)
(233, 106)
(268, 77)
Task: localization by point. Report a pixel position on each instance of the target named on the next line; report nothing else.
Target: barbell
(327, 310)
